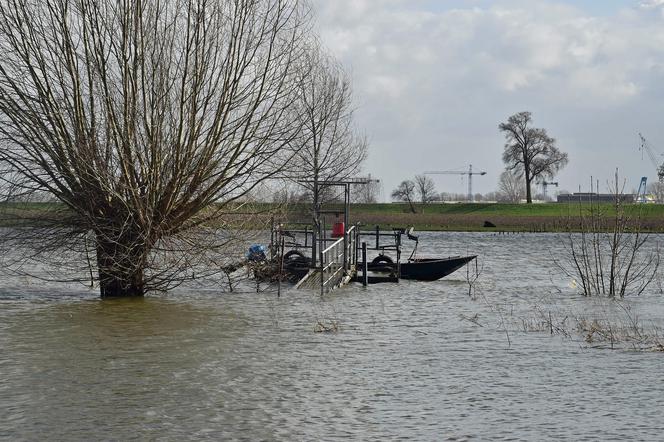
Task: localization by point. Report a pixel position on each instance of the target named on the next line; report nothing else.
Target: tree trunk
(120, 269)
(529, 198)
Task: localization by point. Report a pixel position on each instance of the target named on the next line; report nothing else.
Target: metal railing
(338, 257)
(331, 263)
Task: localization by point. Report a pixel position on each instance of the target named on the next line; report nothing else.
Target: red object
(338, 229)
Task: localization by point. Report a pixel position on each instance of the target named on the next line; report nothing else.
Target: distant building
(585, 197)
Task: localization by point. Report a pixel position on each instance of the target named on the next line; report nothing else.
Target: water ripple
(405, 364)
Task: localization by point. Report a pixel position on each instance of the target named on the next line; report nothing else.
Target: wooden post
(365, 265)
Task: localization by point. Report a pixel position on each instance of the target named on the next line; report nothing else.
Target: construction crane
(545, 184)
(470, 174)
(645, 146)
(641, 193)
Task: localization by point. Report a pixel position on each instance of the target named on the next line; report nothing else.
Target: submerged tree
(530, 150)
(330, 147)
(607, 252)
(146, 120)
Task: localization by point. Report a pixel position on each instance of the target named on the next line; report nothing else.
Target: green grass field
(489, 209)
(450, 217)
(506, 217)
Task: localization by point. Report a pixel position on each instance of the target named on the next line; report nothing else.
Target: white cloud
(431, 79)
(651, 4)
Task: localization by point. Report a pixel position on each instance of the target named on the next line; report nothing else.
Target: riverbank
(464, 217)
(452, 217)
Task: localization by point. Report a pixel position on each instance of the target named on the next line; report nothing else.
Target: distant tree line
(530, 156)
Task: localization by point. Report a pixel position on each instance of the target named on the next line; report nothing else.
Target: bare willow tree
(147, 120)
(530, 150)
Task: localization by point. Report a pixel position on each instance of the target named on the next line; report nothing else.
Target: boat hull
(432, 269)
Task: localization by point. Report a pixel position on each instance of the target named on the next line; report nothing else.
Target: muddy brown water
(411, 361)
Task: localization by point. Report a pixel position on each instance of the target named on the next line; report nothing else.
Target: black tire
(382, 259)
(294, 255)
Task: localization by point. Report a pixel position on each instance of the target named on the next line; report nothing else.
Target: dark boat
(421, 269)
(431, 269)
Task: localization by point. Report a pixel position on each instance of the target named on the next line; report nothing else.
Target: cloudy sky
(434, 78)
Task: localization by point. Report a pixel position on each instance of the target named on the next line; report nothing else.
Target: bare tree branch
(530, 150)
(147, 120)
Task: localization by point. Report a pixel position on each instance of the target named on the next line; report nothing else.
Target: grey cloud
(433, 84)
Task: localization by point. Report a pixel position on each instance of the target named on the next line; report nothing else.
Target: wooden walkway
(333, 277)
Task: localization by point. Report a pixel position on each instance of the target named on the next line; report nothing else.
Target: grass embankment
(549, 217)
(506, 217)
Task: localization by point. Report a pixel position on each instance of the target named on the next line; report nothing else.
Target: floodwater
(413, 361)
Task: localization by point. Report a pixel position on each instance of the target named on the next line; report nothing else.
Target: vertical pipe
(272, 244)
(281, 266)
(365, 265)
(357, 238)
(346, 190)
(314, 238)
(322, 276)
(346, 205)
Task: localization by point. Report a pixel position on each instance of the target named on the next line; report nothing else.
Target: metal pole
(272, 242)
(281, 266)
(470, 184)
(365, 265)
(315, 235)
(322, 276)
(346, 208)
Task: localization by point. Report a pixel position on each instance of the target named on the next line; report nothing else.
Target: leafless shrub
(473, 272)
(609, 258)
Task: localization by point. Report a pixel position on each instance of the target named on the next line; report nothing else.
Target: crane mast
(645, 146)
(470, 174)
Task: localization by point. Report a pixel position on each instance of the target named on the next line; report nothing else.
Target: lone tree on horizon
(405, 192)
(146, 119)
(530, 150)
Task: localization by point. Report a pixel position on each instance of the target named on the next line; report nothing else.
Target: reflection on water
(405, 364)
